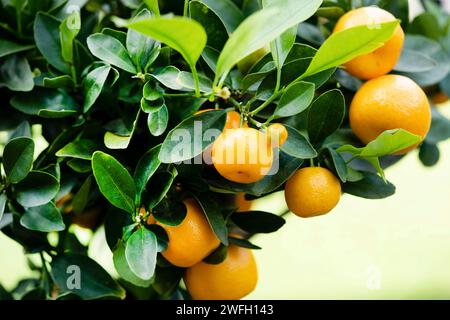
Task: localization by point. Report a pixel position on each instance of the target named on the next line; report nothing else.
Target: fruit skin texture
(277, 131)
(390, 102)
(312, 192)
(382, 60)
(232, 279)
(242, 155)
(192, 240)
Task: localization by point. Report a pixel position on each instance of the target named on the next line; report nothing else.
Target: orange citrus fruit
(242, 204)
(389, 102)
(192, 240)
(312, 192)
(382, 60)
(277, 132)
(242, 155)
(231, 279)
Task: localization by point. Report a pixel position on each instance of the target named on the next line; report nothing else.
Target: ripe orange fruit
(312, 192)
(277, 132)
(242, 155)
(389, 102)
(192, 240)
(242, 204)
(231, 279)
(382, 60)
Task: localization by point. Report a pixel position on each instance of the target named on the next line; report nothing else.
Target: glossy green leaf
(258, 221)
(153, 6)
(45, 218)
(297, 145)
(8, 47)
(146, 167)
(46, 103)
(84, 277)
(358, 41)
(46, 35)
(325, 115)
(18, 158)
(37, 189)
(338, 163)
(260, 29)
(295, 99)
(227, 11)
(68, 30)
(389, 142)
(181, 142)
(81, 198)
(429, 154)
(142, 49)
(158, 120)
(78, 149)
(175, 79)
(213, 213)
(158, 186)
(63, 82)
(114, 181)
(370, 187)
(123, 268)
(414, 61)
(15, 74)
(93, 84)
(170, 213)
(111, 50)
(140, 252)
(184, 35)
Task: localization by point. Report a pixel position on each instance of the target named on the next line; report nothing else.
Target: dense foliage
(105, 85)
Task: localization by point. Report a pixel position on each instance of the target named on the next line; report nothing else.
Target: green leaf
(258, 221)
(146, 167)
(18, 158)
(81, 198)
(45, 218)
(153, 6)
(124, 270)
(158, 120)
(338, 163)
(37, 189)
(414, 61)
(140, 252)
(184, 35)
(46, 103)
(214, 215)
(175, 79)
(170, 213)
(243, 243)
(218, 256)
(121, 138)
(440, 128)
(3, 200)
(142, 49)
(68, 30)
(84, 277)
(111, 50)
(282, 45)
(260, 29)
(227, 11)
(158, 186)
(46, 35)
(358, 41)
(15, 74)
(114, 181)
(429, 154)
(93, 84)
(295, 99)
(325, 115)
(78, 149)
(79, 165)
(64, 81)
(370, 187)
(297, 145)
(9, 47)
(180, 144)
(389, 142)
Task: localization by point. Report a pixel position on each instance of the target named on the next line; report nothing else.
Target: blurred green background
(397, 248)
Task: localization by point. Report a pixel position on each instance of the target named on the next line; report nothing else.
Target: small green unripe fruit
(249, 61)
